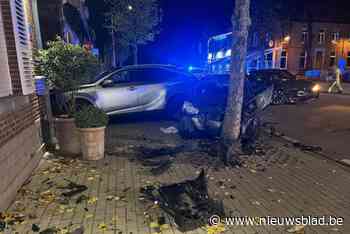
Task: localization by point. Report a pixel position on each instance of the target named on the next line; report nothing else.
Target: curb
(344, 162)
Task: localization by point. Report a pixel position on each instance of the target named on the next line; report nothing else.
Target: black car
(203, 115)
(287, 89)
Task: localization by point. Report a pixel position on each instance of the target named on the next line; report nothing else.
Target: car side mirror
(107, 83)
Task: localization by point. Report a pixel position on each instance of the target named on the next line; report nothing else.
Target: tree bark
(232, 122)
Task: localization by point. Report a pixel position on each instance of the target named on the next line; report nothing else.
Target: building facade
(21, 110)
(305, 48)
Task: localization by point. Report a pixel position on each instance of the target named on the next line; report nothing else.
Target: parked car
(287, 89)
(203, 115)
(139, 88)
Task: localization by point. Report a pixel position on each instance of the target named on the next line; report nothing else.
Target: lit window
(332, 59)
(283, 59)
(228, 53)
(219, 55)
(268, 60)
(302, 60)
(228, 67)
(210, 56)
(321, 37)
(335, 36)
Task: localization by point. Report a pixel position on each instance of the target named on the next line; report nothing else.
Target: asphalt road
(324, 122)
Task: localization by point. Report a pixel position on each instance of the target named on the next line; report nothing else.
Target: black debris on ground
(187, 202)
(305, 147)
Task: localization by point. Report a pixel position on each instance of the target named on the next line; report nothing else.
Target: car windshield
(94, 78)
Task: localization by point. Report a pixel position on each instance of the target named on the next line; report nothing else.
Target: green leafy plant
(66, 67)
(90, 117)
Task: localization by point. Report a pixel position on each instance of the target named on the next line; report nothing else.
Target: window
(335, 36)
(304, 36)
(23, 45)
(268, 37)
(348, 60)
(321, 37)
(319, 59)
(302, 60)
(283, 59)
(268, 60)
(332, 58)
(5, 78)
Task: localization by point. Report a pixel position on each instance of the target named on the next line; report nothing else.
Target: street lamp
(130, 8)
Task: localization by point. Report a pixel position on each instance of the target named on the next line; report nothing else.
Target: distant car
(287, 89)
(138, 88)
(204, 113)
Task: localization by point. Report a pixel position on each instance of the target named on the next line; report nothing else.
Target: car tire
(279, 97)
(174, 108)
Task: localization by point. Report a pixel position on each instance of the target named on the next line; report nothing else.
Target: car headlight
(316, 88)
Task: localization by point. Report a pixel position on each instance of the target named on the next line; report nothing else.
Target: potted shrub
(91, 123)
(66, 67)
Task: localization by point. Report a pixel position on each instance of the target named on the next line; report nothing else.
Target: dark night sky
(186, 23)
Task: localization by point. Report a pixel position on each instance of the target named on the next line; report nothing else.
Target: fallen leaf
(102, 227)
(296, 229)
(92, 200)
(216, 229)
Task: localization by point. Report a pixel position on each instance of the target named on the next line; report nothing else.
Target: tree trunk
(232, 122)
(135, 54)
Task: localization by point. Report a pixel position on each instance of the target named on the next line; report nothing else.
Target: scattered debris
(187, 202)
(304, 147)
(169, 130)
(35, 227)
(73, 189)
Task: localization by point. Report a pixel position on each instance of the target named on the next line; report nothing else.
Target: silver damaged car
(139, 88)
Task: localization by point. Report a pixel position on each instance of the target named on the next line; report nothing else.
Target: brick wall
(20, 140)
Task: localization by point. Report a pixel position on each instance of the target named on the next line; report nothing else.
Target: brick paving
(295, 184)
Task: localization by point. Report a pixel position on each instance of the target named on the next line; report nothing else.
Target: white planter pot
(67, 136)
(92, 143)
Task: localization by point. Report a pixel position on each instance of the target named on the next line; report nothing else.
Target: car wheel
(279, 97)
(174, 108)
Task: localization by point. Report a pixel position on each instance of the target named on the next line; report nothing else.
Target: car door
(152, 88)
(120, 95)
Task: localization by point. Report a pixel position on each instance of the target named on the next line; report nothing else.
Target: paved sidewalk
(294, 184)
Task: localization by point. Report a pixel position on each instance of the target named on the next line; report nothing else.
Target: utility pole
(232, 123)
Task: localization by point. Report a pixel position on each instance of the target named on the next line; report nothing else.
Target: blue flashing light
(219, 55)
(190, 68)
